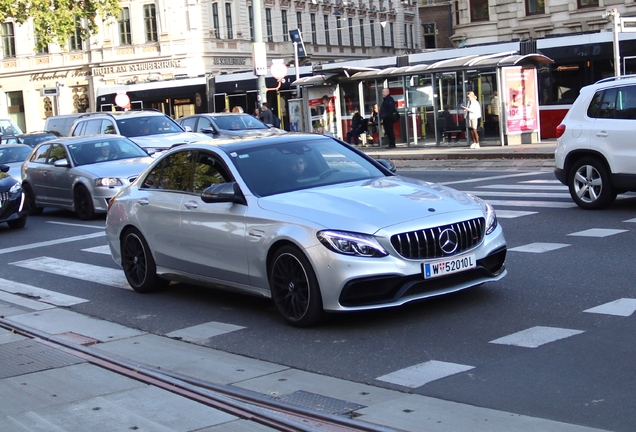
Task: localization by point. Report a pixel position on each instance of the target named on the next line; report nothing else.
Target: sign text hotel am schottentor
(137, 67)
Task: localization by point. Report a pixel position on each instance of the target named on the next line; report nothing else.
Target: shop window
(123, 24)
(76, 41)
(228, 20)
(268, 24)
(150, 23)
(8, 40)
(587, 3)
(80, 99)
(479, 10)
(48, 107)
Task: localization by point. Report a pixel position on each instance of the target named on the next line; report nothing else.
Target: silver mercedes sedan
(80, 173)
(305, 219)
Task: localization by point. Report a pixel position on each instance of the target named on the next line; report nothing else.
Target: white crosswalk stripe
(76, 270)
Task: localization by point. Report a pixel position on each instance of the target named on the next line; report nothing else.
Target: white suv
(596, 150)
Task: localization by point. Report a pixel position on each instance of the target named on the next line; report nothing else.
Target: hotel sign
(136, 67)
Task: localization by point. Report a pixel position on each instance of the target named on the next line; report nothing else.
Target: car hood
(368, 206)
(7, 181)
(118, 168)
(167, 140)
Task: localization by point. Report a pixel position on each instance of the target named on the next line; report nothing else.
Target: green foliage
(54, 20)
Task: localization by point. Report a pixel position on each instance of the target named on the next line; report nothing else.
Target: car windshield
(104, 150)
(238, 122)
(147, 125)
(10, 154)
(33, 140)
(307, 163)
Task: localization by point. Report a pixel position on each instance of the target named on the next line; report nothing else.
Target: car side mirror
(4, 168)
(187, 128)
(61, 163)
(387, 164)
(224, 192)
(209, 131)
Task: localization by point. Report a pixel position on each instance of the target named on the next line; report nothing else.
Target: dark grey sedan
(80, 173)
(227, 125)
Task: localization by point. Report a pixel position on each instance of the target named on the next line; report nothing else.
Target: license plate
(449, 266)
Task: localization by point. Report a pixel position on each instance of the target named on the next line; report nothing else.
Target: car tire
(17, 223)
(590, 184)
(138, 264)
(294, 287)
(29, 201)
(83, 203)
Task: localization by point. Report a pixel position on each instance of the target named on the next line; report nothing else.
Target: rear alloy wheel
(138, 264)
(590, 184)
(17, 223)
(295, 288)
(29, 201)
(83, 202)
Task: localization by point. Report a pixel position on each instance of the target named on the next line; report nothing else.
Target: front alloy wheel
(138, 264)
(83, 203)
(295, 288)
(590, 184)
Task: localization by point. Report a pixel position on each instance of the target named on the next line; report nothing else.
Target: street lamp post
(258, 44)
(615, 16)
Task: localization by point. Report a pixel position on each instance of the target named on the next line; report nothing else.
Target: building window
(75, 41)
(411, 35)
(351, 42)
(268, 25)
(8, 40)
(428, 30)
(382, 33)
(123, 24)
(392, 34)
(40, 50)
(314, 37)
(299, 21)
(479, 10)
(283, 16)
(534, 7)
(228, 20)
(406, 38)
(150, 23)
(362, 33)
(371, 26)
(339, 30)
(587, 3)
(215, 20)
(250, 11)
(326, 21)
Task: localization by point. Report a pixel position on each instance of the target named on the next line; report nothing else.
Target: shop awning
(315, 80)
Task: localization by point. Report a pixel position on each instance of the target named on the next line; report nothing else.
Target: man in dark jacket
(358, 126)
(267, 116)
(386, 110)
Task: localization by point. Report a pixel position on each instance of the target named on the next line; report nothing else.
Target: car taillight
(560, 130)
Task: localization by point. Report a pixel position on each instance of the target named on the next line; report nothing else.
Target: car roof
(6, 146)
(131, 113)
(241, 143)
(28, 134)
(85, 138)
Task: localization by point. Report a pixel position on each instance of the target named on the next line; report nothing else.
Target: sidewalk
(47, 389)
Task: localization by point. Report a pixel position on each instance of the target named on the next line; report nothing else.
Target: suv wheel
(590, 184)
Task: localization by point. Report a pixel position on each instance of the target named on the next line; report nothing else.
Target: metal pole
(258, 39)
(297, 68)
(617, 53)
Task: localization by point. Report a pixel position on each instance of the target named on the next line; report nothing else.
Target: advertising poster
(521, 99)
(296, 123)
(322, 110)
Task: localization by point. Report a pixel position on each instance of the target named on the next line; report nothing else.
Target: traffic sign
(297, 39)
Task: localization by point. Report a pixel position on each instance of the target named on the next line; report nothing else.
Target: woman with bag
(386, 116)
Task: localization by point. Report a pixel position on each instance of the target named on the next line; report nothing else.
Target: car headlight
(108, 182)
(351, 243)
(16, 188)
(489, 212)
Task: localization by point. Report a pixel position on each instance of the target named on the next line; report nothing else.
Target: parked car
(8, 127)
(31, 139)
(227, 125)
(80, 173)
(152, 130)
(13, 155)
(61, 124)
(595, 155)
(305, 219)
(11, 199)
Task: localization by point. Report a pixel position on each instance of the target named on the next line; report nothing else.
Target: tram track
(242, 404)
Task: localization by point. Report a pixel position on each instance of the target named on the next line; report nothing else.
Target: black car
(31, 139)
(11, 200)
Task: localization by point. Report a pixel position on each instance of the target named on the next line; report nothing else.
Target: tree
(54, 21)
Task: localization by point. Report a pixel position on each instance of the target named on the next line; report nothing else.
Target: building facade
(164, 51)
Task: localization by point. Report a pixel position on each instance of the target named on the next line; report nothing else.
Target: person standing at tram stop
(267, 116)
(385, 115)
(473, 115)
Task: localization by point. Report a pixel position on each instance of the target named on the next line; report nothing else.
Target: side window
(40, 155)
(208, 171)
(190, 122)
(79, 129)
(626, 103)
(173, 173)
(93, 127)
(57, 152)
(107, 127)
(204, 123)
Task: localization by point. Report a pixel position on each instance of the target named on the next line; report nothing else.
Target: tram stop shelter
(429, 98)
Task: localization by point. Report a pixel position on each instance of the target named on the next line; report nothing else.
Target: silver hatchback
(304, 219)
(80, 173)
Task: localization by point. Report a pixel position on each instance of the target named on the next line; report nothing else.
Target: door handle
(143, 202)
(191, 205)
(602, 134)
